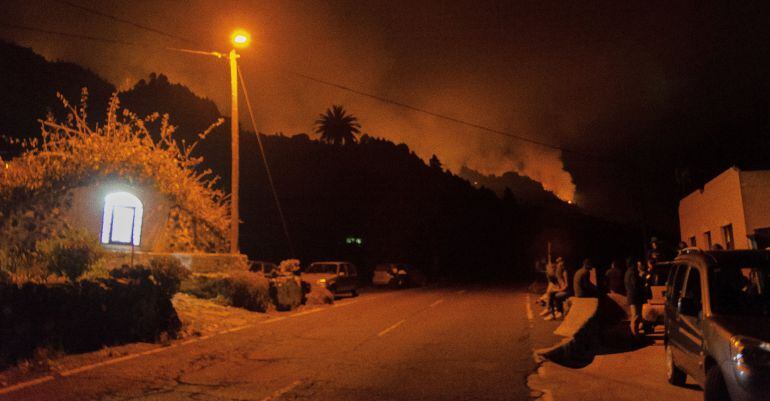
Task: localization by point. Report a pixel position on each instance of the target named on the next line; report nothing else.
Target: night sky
(627, 81)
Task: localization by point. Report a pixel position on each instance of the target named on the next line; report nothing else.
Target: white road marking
(436, 303)
(273, 320)
(85, 368)
(307, 312)
(239, 328)
(338, 304)
(461, 292)
(25, 384)
(530, 315)
(391, 328)
(282, 391)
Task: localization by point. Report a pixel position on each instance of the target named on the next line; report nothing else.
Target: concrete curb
(581, 331)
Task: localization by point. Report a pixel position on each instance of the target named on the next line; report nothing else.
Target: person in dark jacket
(636, 295)
(584, 288)
(614, 278)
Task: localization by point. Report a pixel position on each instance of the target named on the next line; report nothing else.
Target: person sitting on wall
(584, 288)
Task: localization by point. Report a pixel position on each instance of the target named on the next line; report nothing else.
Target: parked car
(390, 274)
(397, 275)
(266, 268)
(653, 312)
(718, 323)
(338, 277)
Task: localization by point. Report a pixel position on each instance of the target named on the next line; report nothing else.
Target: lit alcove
(122, 221)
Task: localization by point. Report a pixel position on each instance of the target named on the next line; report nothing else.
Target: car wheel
(674, 375)
(354, 293)
(715, 388)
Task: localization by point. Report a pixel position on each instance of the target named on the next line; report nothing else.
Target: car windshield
(322, 268)
(741, 291)
(382, 268)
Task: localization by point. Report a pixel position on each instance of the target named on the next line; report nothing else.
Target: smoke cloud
(458, 60)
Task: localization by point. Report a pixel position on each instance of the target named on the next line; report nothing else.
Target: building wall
(87, 211)
(755, 186)
(718, 204)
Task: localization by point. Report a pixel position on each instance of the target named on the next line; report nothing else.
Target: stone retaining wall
(195, 262)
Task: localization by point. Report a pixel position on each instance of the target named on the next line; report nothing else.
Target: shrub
(71, 254)
(5, 277)
(247, 290)
(82, 316)
(319, 296)
(168, 273)
(128, 273)
(286, 292)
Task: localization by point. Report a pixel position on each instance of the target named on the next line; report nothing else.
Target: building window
(122, 221)
(693, 242)
(727, 236)
(707, 238)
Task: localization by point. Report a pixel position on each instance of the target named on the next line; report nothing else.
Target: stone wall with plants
(36, 187)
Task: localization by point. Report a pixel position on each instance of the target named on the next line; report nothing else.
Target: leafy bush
(71, 254)
(84, 315)
(319, 296)
(128, 273)
(168, 273)
(286, 292)
(247, 290)
(243, 289)
(35, 188)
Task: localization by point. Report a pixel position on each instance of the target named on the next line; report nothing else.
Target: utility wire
(383, 99)
(264, 160)
(435, 114)
(70, 35)
(108, 40)
(125, 21)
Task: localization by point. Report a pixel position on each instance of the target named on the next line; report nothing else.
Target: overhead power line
(107, 40)
(125, 21)
(267, 166)
(70, 35)
(448, 118)
(383, 99)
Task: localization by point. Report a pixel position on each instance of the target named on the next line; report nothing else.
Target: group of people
(631, 278)
(560, 287)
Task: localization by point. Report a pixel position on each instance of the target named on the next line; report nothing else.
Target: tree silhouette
(337, 127)
(435, 163)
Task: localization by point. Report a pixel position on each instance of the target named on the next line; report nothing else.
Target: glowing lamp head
(240, 38)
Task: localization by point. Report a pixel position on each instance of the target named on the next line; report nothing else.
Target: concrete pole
(235, 173)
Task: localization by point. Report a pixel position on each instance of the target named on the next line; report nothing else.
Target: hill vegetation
(371, 189)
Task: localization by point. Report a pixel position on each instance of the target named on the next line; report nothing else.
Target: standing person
(583, 286)
(635, 295)
(614, 279)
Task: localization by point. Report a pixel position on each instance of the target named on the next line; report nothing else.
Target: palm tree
(337, 127)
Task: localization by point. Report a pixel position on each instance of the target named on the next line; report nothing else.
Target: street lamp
(240, 39)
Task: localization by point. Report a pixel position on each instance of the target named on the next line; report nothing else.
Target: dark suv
(717, 318)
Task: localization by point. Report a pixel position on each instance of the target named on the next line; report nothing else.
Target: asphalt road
(420, 344)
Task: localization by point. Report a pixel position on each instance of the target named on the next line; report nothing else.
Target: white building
(732, 210)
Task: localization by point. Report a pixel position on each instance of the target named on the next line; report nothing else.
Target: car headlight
(750, 351)
(322, 282)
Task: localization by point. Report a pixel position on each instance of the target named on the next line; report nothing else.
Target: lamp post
(240, 39)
